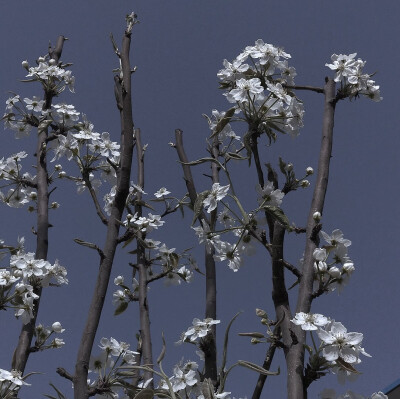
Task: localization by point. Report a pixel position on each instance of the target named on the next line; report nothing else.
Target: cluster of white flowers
(184, 378)
(349, 71)
(114, 354)
(10, 382)
(331, 394)
(142, 223)
(173, 271)
(42, 335)
(82, 139)
(257, 87)
(47, 71)
(186, 381)
(328, 275)
(24, 273)
(10, 171)
(225, 251)
(337, 345)
(198, 329)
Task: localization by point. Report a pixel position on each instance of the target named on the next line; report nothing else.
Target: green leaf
(174, 259)
(163, 350)
(258, 369)
(200, 161)
(234, 155)
(226, 339)
(278, 214)
(346, 366)
(198, 205)
(85, 244)
(121, 308)
(252, 334)
(282, 165)
(146, 393)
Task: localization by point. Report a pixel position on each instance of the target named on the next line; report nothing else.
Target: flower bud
(18, 273)
(316, 216)
(58, 167)
(119, 280)
(334, 272)
(52, 61)
(261, 313)
(304, 183)
(25, 64)
(289, 167)
(55, 205)
(62, 174)
(40, 59)
(57, 328)
(309, 171)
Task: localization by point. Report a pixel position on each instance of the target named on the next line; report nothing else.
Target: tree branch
(99, 212)
(122, 191)
(145, 333)
(309, 88)
(296, 389)
(22, 351)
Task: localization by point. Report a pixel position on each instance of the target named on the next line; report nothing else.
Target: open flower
(216, 194)
(341, 344)
(310, 321)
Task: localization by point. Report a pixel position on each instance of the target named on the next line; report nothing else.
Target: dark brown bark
(145, 333)
(122, 191)
(295, 357)
(21, 352)
(210, 349)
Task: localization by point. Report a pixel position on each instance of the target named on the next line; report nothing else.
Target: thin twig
(310, 88)
(291, 267)
(94, 198)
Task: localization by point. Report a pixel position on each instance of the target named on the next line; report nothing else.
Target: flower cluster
(328, 274)
(143, 224)
(173, 267)
(114, 355)
(10, 383)
(186, 382)
(42, 335)
(24, 274)
(199, 329)
(25, 184)
(184, 378)
(349, 71)
(240, 227)
(256, 82)
(48, 72)
(340, 348)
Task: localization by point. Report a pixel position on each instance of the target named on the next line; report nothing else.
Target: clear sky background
(178, 48)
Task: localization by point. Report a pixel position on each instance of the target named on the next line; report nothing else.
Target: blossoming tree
(263, 102)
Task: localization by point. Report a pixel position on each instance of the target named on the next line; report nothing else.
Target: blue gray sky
(178, 48)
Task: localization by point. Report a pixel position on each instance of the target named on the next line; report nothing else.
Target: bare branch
(64, 373)
(141, 262)
(99, 212)
(22, 351)
(295, 357)
(290, 267)
(309, 88)
(122, 191)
